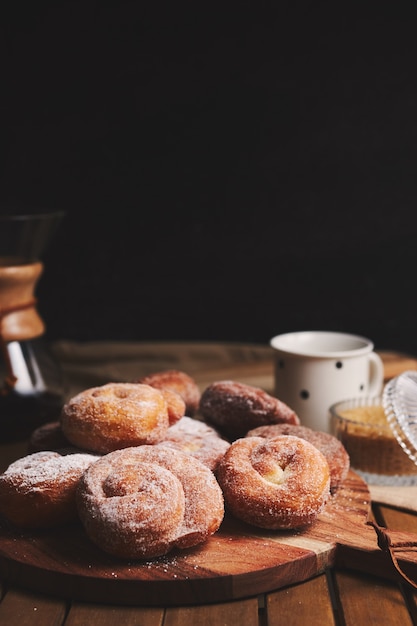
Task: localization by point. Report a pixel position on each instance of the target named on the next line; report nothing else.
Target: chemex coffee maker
(31, 383)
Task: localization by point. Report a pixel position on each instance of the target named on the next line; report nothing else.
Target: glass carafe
(31, 383)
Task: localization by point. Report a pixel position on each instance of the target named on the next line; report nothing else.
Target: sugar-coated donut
(280, 483)
(177, 381)
(175, 405)
(234, 408)
(143, 502)
(333, 449)
(38, 490)
(197, 439)
(117, 415)
(48, 436)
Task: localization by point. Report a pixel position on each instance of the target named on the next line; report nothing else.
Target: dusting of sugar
(333, 449)
(197, 439)
(114, 416)
(181, 504)
(43, 469)
(193, 426)
(289, 504)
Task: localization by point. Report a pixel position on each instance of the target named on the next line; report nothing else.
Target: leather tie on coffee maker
(391, 547)
(10, 379)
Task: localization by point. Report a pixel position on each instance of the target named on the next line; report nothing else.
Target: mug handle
(376, 374)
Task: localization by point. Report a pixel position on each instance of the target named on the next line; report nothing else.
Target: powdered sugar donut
(142, 502)
(235, 408)
(279, 483)
(197, 439)
(38, 490)
(119, 415)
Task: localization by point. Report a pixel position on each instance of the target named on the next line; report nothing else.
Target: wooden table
(336, 596)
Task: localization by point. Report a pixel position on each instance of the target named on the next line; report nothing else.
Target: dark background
(224, 176)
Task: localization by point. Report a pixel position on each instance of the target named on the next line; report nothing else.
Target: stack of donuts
(152, 465)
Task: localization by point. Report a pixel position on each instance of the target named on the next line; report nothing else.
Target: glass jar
(364, 428)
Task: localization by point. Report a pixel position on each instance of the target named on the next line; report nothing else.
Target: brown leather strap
(392, 548)
(10, 379)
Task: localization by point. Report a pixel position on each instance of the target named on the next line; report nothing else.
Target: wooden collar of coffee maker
(19, 319)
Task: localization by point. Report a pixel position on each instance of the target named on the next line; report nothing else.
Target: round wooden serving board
(238, 561)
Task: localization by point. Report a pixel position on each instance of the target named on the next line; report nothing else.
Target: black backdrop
(225, 176)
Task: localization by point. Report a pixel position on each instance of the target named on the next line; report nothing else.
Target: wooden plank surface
(370, 601)
(84, 613)
(224, 614)
(23, 608)
(307, 603)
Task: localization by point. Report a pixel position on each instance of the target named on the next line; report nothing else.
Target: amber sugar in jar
(362, 426)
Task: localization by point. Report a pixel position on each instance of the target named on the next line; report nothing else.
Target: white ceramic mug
(315, 369)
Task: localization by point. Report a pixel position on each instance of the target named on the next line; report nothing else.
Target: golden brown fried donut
(142, 502)
(177, 381)
(280, 483)
(332, 448)
(175, 405)
(116, 415)
(197, 439)
(234, 408)
(38, 490)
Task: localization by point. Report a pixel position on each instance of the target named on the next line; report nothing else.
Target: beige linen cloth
(95, 363)
(401, 497)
